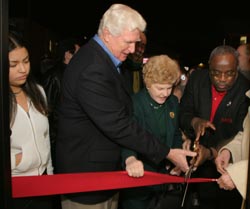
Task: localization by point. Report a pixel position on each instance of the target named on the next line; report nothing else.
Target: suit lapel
(206, 99)
(111, 67)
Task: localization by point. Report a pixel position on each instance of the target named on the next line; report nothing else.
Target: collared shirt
(216, 100)
(116, 62)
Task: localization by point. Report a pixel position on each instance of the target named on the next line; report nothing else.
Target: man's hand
(186, 145)
(203, 154)
(179, 158)
(134, 167)
(225, 182)
(222, 161)
(200, 125)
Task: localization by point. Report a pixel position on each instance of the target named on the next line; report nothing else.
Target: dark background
(186, 30)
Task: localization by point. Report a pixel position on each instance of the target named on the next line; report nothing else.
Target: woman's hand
(19, 158)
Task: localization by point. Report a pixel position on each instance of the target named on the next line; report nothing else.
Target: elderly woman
(156, 110)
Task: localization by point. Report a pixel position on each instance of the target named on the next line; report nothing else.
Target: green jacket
(159, 120)
(162, 122)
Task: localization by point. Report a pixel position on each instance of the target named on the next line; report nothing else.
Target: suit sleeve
(235, 147)
(187, 108)
(101, 95)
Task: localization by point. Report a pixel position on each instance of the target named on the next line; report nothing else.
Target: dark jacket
(165, 128)
(51, 82)
(162, 122)
(95, 120)
(132, 73)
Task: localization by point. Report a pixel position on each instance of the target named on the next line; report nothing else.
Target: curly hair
(160, 69)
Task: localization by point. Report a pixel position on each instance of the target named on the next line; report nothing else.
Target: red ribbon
(26, 186)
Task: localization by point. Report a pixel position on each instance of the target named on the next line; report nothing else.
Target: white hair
(120, 17)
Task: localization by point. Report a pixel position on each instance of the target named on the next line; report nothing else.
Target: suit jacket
(196, 102)
(132, 73)
(239, 148)
(95, 120)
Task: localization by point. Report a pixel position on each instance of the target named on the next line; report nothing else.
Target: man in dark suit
(132, 67)
(95, 112)
(212, 110)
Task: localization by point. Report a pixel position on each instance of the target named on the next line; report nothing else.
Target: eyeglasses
(227, 74)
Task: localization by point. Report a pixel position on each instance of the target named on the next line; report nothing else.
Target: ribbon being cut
(25, 186)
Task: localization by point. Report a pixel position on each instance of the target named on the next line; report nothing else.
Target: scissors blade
(188, 173)
(190, 170)
(187, 177)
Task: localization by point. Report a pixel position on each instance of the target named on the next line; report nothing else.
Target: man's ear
(106, 34)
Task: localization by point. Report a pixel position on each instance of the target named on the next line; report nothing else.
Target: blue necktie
(118, 68)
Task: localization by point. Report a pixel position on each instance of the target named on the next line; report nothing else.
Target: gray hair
(224, 49)
(120, 17)
(247, 49)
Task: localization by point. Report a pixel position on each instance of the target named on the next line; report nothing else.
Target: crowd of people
(104, 108)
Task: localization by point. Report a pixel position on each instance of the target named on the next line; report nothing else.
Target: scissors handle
(190, 170)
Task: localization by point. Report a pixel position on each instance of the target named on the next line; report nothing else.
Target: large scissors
(189, 172)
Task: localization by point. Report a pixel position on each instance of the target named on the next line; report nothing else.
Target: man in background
(132, 67)
(52, 81)
(244, 59)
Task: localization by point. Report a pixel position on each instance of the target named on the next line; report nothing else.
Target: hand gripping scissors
(187, 175)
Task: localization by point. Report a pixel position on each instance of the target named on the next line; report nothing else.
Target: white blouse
(30, 136)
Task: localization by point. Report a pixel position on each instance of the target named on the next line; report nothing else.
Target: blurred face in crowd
(244, 59)
(19, 67)
(121, 45)
(159, 92)
(223, 72)
(69, 54)
(140, 47)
